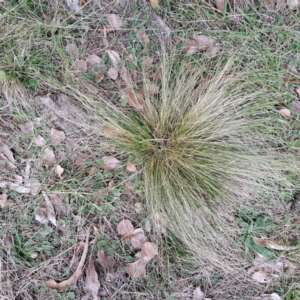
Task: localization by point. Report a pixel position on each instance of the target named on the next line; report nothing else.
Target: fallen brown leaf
(107, 261)
(293, 4)
(52, 284)
(18, 179)
(138, 207)
(41, 213)
(110, 163)
(34, 186)
(93, 60)
(113, 73)
(125, 229)
(138, 238)
(115, 21)
(270, 244)
(285, 111)
(164, 26)
(273, 296)
(204, 42)
(143, 37)
(39, 141)
(114, 58)
(8, 153)
(3, 199)
(27, 128)
(92, 284)
(72, 50)
(79, 65)
(57, 136)
(19, 188)
(220, 5)
(137, 269)
(198, 294)
(261, 277)
(154, 3)
(59, 171)
(50, 209)
(48, 157)
(131, 167)
(148, 250)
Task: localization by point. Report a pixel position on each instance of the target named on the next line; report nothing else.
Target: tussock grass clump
(209, 145)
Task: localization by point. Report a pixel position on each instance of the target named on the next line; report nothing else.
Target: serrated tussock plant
(209, 145)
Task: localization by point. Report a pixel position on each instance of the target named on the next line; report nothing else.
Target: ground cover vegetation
(149, 149)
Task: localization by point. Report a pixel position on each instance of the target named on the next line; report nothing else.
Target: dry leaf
(125, 229)
(130, 167)
(147, 61)
(113, 73)
(114, 58)
(143, 37)
(138, 207)
(57, 136)
(73, 5)
(51, 284)
(106, 261)
(286, 112)
(3, 199)
(153, 89)
(212, 52)
(50, 210)
(154, 3)
(134, 99)
(79, 65)
(93, 60)
(39, 141)
(148, 250)
(164, 26)
(41, 214)
(19, 189)
(261, 277)
(92, 284)
(99, 76)
(137, 269)
(18, 179)
(191, 47)
(80, 163)
(293, 4)
(58, 206)
(270, 244)
(8, 153)
(59, 171)
(27, 128)
(296, 106)
(220, 5)
(109, 163)
(198, 294)
(115, 21)
(8, 243)
(273, 296)
(34, 186)
(48, 157)
(204, 42)
(138, 238)
(72, 50)
(269, 5)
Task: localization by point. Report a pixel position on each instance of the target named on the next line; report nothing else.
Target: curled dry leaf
(19, 189)
(27, 128)
(220, 5)
(125, 229)
(72, 50)
(57, 136)
(148, 250)
(106, 261)
(134, 99)
(114, 58)
(48, 157)
(143, 37)
(270, 244)
(59, 171)
(3, 199)
(113, 73)
(79, 65)
(137, 269)
(154, 3)
(58, 206)
(198, 294)
(115, 21)
(138, 238)
(73, 5)
(39, 141)
(50, 209)
(41, 214)
(293, 4)
(164, 26)
(212, 52)
(285, 111)
(92, 284)
(52, 284)
(110, 163)
(130, 167)
(8, 153)
(200, 42)
(93, 60)
(34, 186)
(191, 47)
